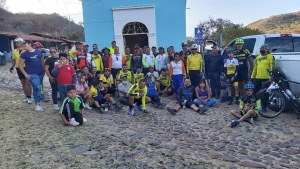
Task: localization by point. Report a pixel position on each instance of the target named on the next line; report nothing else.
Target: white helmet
(19, 40)
(194, 46)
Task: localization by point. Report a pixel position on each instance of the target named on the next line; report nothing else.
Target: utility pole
(69, 26)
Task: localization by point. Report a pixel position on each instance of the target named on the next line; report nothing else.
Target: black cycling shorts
(20, 74)
(254, 118)
(242, 75)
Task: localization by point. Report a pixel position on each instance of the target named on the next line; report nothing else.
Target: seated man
(101, 97)
(185, 99)
(250, 105)
(123, 89)
(72, 108)
(108, 81)
(137, 94)
(87, 74)
(163, 83)
(152, 92)
(126, 72)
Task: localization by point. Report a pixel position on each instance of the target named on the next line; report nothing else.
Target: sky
(238, 11)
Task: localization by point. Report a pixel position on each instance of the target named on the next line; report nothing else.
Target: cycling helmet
(183, 43)
(148, 75)
(194, 46)
(38, 45)
(19, 40)
(248, 85)
(239, 41)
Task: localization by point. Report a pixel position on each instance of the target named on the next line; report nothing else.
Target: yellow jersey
(71, 54)
(97, 59)
(261, 64)
(128, 62)
(194, 62)
(128, 73)
(111, 50)
(107, 80)
(135, 91)
(164, 80)
(137, 77)
(16, 56)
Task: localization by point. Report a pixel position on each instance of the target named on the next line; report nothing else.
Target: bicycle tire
(278, 94)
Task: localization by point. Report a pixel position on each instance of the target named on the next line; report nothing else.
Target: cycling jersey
(148, 60)
(160, 62)
(128, 58)
(16, 56)
(136, 61)
(177, 68)
(261, 64)
(242, 56)
(138, 77)
(106, 80)
(80, 57)
(128, 73)
(185, 93)
(194, 62)
(135, 91)
(252, 102)
(231, 66)
(97, 61)
(164, 80)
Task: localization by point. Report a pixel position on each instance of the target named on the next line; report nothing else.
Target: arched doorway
(135, 33)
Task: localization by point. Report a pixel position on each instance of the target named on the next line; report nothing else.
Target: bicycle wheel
(275, 102)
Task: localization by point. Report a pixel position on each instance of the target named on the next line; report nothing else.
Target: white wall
(144, 14)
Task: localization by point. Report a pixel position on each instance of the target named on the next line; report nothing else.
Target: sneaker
(25, 99)
(161, 106)
(139, 107)
(29, 101)
(118, 107)
(203, 110)
(229, 100)
(101, 110)
(55, 107)
(87, 106)
(234, 123)
(249, 120)
(131, 112)
(73, 122)
(237, 100)
(46, 99)
(172, 111)
(84, 120)
(39, 109)
(41, 106)
(223, 99)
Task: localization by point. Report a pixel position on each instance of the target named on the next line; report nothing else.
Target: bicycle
(276, 93)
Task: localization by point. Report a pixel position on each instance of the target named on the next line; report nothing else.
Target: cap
(38, 45)
(230, 51)
(183, 43)
(124, 75)
(19, 40)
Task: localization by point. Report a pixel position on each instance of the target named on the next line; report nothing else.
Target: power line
(60, 7)
(42, 4)
(65, 6)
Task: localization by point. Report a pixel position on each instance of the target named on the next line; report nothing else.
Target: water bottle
(184, 105)
(290, 94)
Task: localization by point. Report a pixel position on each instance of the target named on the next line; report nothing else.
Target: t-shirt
(33, 62)
(105, 61)
(124, 88)
(80, 88)
(65, 74)
(51, 63)
(136, 61)
(16, 56)
(138, 77)
(242, 56)
(231, 65)
(81, 58)
(106, 80)
(155, 76)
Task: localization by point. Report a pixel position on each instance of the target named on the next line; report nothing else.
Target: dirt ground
(31, 140)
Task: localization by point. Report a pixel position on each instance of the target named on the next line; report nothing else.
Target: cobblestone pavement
(156, 140)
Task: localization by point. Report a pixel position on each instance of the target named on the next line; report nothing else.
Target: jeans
(62, 92)
(35, 81)
(177, 82)
(225, 94)
(54, 87)
(214, 78)
(210, 102)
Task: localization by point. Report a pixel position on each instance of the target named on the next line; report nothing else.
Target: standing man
(148, 60)
(214, 63)
(112, 48)
(243, 56)
(194, 65)
(80, 58)
(136, 60)
(15, 63)
(88, 56)
(184, 53)
(154, 52)
(161, 60)
(115, 62)
(71, 54)
(128, 56)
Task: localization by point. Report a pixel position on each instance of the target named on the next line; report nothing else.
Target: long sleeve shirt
(261, 64)
(214, 63)
(194, 62)
(160, 62)
(135, 91)
(185, 93)
(148, 60)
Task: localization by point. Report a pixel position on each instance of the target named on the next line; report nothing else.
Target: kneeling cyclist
(250, 105)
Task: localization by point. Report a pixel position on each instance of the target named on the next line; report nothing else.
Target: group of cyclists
(86, 79)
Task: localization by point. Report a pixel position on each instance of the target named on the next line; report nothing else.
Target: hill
(283, 23)
(50, 24)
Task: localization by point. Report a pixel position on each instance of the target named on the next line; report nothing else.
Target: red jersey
(65, 74)
(80, 58)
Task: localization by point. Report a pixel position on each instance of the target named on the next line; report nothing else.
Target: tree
(236, 31)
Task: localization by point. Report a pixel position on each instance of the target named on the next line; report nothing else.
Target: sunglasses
(53, 52)
(194, 49)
